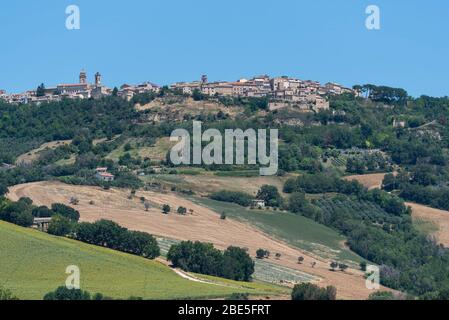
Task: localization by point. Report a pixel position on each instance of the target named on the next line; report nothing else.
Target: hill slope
(33, 263)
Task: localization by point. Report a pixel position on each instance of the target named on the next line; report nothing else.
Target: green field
(33, 263)
(296, 230)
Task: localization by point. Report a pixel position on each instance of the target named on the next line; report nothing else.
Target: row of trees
(234, 263)
(109, 234)
(23, 212)
(237, 197)
(63, 293)
(309, 291)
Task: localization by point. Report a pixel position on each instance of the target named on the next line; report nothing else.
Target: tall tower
(204, 79)
(97, 79)
(83, 77)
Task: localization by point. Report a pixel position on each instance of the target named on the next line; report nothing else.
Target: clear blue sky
(175, 40)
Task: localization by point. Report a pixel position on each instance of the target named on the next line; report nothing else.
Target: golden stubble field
(203, 225)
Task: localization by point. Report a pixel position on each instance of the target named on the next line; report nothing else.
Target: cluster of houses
(81, 90)
(280, 90)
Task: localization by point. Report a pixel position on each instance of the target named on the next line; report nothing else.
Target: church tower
(83, 77)
(97, 79)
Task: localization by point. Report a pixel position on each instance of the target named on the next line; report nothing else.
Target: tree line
(234, 263)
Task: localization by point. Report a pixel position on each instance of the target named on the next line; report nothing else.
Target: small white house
(258, 203)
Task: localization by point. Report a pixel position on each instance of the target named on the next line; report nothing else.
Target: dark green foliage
(240, 198)
(197, 95)
(63, 293)
(270, 195)
(60, 226)
(42, 212)
(261, 253)
(182, 210)
(166, 208)
(384, 94)
(381, 295)
(409, 261)
(238, 296)
(237, 264)
(19, 212)
(61, 120)
(309, 291)
(109, 234)
(198, 257)
(320, 183)
(65, 211)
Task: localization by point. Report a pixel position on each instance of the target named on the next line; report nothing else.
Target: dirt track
(203, 225)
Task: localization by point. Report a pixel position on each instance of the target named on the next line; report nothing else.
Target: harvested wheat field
(203, 225)
(370, 181)
(439, 218)
(207, 183)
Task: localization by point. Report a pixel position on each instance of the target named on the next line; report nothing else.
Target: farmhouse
(103, 174)
(258, 203)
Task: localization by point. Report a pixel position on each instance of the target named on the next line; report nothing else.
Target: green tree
(270, 195)
(309, 291)
(237, 264)
(60, 226)
(333, 265)
(261, 253)
(65, 211)
(166, 208)
(63, 293)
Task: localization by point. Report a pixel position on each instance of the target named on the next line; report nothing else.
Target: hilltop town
(282, 91)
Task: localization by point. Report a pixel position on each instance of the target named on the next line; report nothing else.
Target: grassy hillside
(33, 263)
(295, 229)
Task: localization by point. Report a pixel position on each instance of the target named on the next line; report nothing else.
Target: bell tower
(83, 77)
(97, 79)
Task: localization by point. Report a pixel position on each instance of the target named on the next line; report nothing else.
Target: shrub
(309, 291)
(60, 226)
(240, 198)
(63, 293)
(166, 208)
(65, 211)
